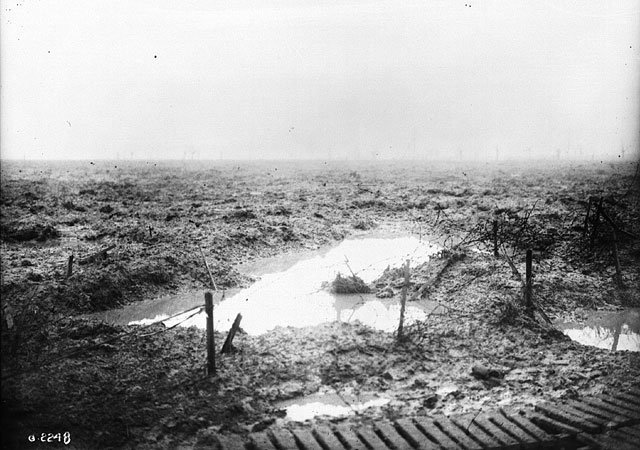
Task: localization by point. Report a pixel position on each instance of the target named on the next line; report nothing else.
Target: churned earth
(145, 386)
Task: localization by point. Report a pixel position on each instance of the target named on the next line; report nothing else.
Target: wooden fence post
(211, 352)
(70, 266)
(404, 301)
(528, 300)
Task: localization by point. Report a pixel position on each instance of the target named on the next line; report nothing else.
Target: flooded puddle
(330, 404)
(617, 330)
(290, 290)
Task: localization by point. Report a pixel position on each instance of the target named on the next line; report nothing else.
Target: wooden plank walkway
(606, 421)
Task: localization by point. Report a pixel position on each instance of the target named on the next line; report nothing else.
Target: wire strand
(81, 350)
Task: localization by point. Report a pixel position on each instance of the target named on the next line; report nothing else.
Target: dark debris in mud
(350, 284)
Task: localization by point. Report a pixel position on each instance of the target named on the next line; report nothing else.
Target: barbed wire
(198, 311)
(81, 350)
(199, 308)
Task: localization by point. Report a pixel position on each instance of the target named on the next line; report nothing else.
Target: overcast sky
(318, 78)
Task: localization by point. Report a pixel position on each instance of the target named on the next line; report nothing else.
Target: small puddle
(329, 404)
(617, 330)
(290, 291)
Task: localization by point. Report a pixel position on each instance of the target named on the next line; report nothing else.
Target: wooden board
(553, 425)
(612, 419)
(507, 441)
(458, 433)
(624, 397)
(261, 441)
(371, 438)
(327, 437)
(562, 415)
(527, 425)
(617, 410)
(429, 428)
(390, 435)
(413, 435)
(470, 427)
(349, 437)
(585, 414)
(631, 408)
(230, 442)
(284, 439)
(306, 439)
(525, 439)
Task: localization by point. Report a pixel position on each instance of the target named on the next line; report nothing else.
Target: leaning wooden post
(528, 301)
(616, 258)
(404, 301)
(228, 343)
(70, 266)
(211, 353)
(495, 238)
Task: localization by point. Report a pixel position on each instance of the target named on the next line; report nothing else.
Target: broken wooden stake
(211, 352)
(495, 238)
(228, 343)
(528, 300)
(70, 266)
(514, 269)
(100, 254)
(404, 301)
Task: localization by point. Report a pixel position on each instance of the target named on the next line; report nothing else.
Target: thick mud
(137, 386)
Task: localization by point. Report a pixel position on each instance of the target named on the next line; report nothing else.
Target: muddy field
(145, 387)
